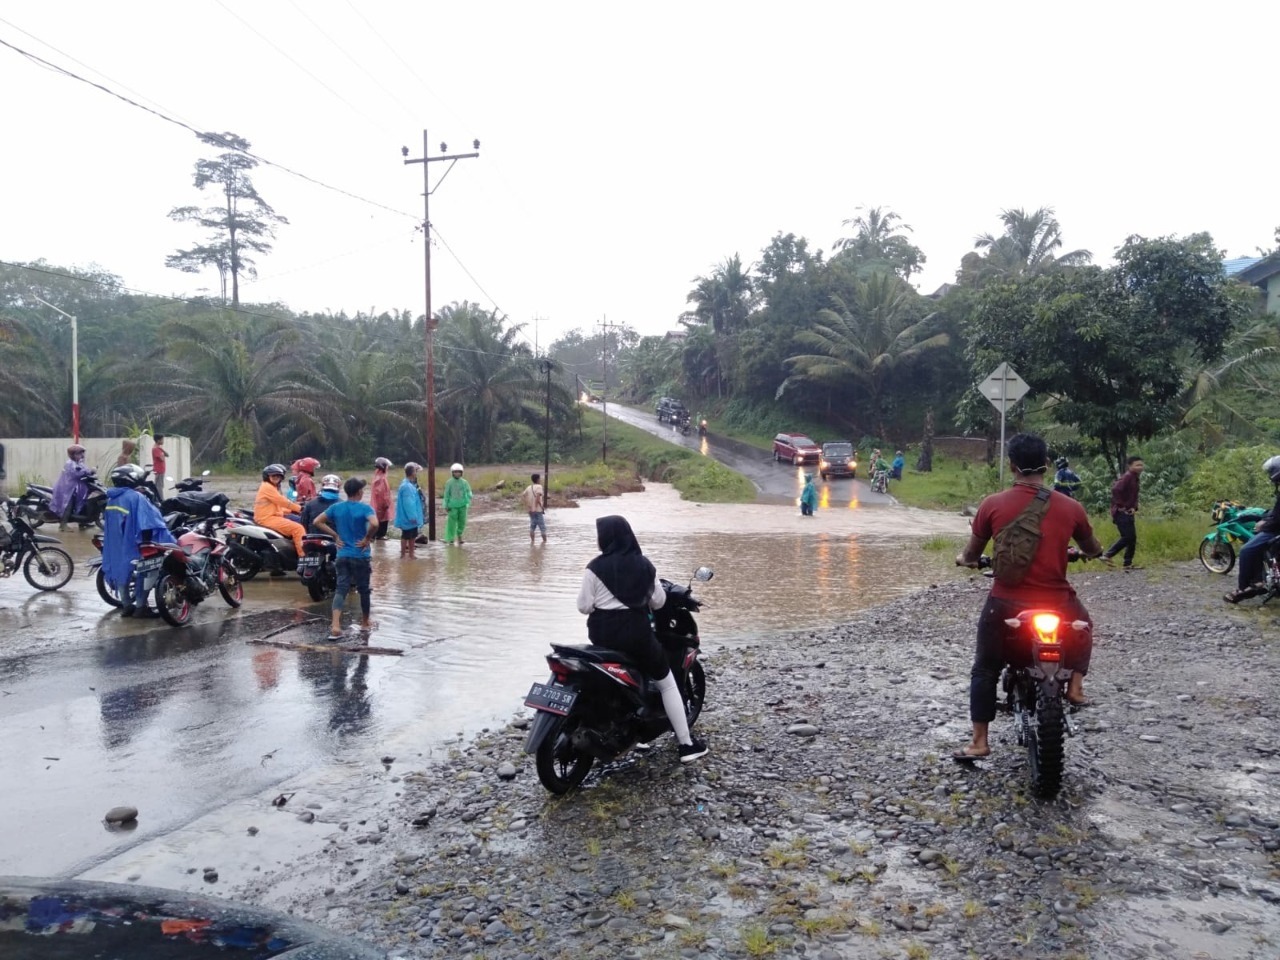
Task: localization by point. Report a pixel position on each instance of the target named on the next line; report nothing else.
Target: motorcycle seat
(587, 651)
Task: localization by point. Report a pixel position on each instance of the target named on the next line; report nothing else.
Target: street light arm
(52, 307)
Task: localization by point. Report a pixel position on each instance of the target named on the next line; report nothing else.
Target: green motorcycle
(1234, 525)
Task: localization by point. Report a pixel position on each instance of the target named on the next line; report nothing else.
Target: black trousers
(1128, 541)
(998, 645)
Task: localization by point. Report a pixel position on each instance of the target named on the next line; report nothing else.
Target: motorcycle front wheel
(229, 585)
(172, 602)
(695, 692)
(48, 568)
(1045, 748)
(105, 590)
(1218, 556)
(560, 766)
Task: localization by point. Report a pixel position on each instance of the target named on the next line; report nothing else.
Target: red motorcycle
(191, 570)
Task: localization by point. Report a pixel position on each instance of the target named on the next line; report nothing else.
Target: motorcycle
(254, 548)
(178, 524)
(190, 571)
(1036, 691)
(318, 566)
(597, 704)
(1234, 526)
(880, 480)
(702, 429)
(45, 567)
(685, 424)
(36, 504)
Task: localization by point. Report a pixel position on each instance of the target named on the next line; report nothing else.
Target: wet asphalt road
(776, 482)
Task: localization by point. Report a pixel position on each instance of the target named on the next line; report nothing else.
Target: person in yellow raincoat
(457, 499)
(271, 507)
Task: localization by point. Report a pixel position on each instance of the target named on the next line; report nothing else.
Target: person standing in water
(457, 501)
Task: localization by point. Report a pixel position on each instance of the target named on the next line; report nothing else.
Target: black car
(671, 411)
(838, 460)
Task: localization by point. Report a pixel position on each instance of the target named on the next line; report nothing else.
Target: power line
(202, 133)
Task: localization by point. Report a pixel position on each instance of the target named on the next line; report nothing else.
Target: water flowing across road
(199, 728)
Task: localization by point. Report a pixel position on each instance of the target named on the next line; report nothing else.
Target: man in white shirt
(534, 500)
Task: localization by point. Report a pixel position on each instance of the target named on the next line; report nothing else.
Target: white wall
(41, 460)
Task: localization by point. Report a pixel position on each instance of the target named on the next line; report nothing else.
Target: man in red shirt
(1044, 586)
(1124, 507)
(158, 460)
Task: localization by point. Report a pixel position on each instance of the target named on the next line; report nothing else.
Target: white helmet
(332, 482)
(456, 468)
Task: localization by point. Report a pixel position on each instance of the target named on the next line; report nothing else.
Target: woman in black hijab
(619, 588)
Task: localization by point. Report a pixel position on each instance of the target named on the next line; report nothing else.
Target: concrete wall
(1273, 294)
(41, 460)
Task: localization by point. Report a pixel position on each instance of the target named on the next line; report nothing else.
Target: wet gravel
(828, 823)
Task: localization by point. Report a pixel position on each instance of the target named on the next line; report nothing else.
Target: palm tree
(488, 375)
(1251, 365)
(1029, 245)
(723, 302)
(877, 239)
(866, 342)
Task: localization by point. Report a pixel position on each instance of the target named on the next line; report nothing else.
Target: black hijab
(621, 567)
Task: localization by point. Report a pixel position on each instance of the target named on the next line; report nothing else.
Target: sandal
(1235, 596)
(963, 755)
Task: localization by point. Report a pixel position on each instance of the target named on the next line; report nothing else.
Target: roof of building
(1263, 268)
(1232, 267)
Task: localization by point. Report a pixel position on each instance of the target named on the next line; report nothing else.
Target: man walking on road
(352, 523)
(1124, 507)
(534, 500)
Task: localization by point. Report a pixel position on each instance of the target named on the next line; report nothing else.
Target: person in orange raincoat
(380, 496)
(304, 471)
(271, 507)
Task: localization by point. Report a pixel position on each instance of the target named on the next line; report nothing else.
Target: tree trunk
(924, 463)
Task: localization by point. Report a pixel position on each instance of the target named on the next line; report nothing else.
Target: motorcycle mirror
(704, 574)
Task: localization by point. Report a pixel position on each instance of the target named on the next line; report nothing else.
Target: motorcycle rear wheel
(1045, 748)
(48, 568)
(105, 590)
(172, 602)
(560, 767)
(245, 568)
(695, 692)
(315, 589)
(1218, 556)
(229, 585)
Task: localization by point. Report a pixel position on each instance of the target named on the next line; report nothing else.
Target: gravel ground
(828, 823)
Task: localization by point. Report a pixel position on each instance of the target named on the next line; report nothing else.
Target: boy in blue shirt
(352, 523)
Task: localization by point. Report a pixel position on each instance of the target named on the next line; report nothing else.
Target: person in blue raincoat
(409, 511)
(70, 489)
(129, 520)
(808, 496)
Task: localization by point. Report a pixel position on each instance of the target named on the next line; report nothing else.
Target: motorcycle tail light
(148, 550)
(1046, 627)
(561, 669)
(1051, 655)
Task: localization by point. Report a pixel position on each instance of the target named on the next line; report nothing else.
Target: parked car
(796, 449)
(838, 460)
(671, 410)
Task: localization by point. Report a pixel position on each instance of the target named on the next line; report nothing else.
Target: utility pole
(75, 370)
(546, 456)
(428, 321)
(605, 328)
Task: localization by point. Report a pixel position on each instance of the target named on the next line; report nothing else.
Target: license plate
(551, 697)
(149, 564)
(309, 562)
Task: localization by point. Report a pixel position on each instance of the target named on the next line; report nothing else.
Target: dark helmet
(382, 463)
(273, 469)
(1272, 466)
(129, 475)
(1061, 463)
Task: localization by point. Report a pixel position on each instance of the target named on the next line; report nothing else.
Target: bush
(518, 443)
(1234, 474)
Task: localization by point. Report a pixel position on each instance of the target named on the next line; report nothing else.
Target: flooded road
(776, 482)
(199, 728)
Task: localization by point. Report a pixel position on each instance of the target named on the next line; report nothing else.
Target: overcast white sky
(626, 149)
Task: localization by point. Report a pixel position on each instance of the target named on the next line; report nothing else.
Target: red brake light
(1046, 627)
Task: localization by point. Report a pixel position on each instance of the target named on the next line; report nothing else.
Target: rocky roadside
(828, 823)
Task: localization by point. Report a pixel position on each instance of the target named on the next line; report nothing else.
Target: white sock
(674, 705)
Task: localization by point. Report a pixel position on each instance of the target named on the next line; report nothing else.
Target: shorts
(538, 521)
(409, 533)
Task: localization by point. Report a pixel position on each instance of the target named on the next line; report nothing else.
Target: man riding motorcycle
(1043, 586)
(129, 520)
(70, 489)
(271, 508)
(1253, 553)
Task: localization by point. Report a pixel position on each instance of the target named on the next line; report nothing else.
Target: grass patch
(756, 942)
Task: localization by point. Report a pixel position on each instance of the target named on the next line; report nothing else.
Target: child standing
(380, 495)
(534, 500)
(457, 499)
(409, 515)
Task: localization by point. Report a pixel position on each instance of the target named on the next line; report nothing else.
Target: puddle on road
(178, 722)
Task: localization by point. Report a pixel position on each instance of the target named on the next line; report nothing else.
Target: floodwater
(199, 727)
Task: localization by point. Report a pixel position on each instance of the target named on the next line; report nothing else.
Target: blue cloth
(409, 512)
(128, 516)
(809, 495)
(898, 464)
(350, 519)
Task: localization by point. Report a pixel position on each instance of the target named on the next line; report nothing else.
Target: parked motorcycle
(178, 523)
(36, 504)
(1234, 526)
(597, 704)
(46, 567)
(191, 570)
(318, 566)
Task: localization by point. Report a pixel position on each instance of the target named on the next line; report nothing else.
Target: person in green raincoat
(808, 496)
(457, 499)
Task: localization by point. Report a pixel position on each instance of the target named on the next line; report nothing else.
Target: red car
(796, 449)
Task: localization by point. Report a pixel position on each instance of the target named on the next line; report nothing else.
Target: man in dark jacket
(1253, 553)
(1124, 507)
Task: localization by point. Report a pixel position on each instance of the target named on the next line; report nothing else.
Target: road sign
(1004, 387)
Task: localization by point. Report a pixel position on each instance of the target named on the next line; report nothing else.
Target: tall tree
(1029, 246)
(240, 224)
(878, 241)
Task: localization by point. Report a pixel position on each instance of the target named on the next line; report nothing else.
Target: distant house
(676, 335)
(1263, 273)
